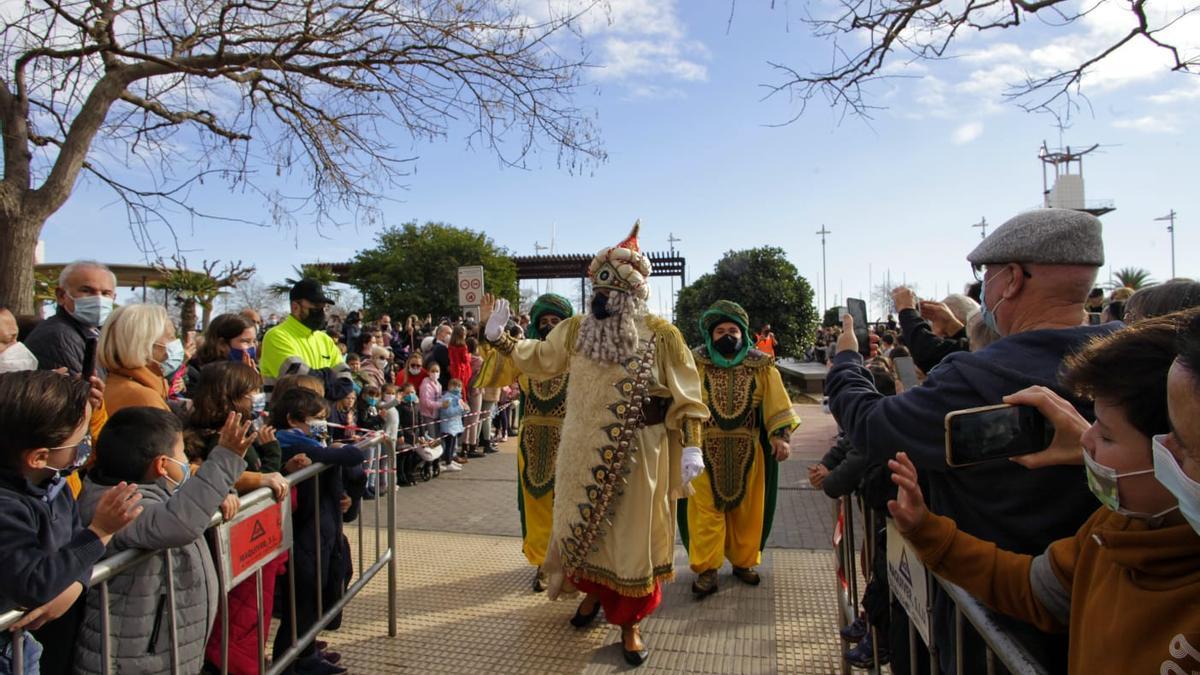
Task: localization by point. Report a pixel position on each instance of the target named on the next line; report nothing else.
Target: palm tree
(323, 274)
(1133, 277)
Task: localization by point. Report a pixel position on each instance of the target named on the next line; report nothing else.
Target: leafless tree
(870, 35)
(199, 287)
(254, 294)
(152, 98)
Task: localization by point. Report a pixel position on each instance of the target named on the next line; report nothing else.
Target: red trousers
(621, 610)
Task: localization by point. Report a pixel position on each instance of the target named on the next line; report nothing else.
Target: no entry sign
(470, 286)
(253, 538)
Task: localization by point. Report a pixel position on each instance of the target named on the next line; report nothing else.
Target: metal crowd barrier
(105, 570)
(1001, 648)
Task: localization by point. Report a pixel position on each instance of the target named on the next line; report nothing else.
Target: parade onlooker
(765, 341)
(1119, 580)
(431, 397)
(1037, 270)
(439, 351)
(1162, 299)
(14, 355)
(450, 415)
(47, 550)
(299, 346)
(144, 446)
(85, 295)
(141, 353)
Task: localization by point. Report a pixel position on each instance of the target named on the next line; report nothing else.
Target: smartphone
(857, 309)
(1094, 319)
(907, 370)
(89, 358)
(995, 432)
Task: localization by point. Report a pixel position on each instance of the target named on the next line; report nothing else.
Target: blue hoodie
(1018, 509)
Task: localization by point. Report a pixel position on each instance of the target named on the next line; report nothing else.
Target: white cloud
(1188, 92)
(967, 133)
(643, 45)
(1153, 124)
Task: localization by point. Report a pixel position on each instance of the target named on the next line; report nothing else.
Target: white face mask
(17, 358)
(1171, 475)
(415, 370)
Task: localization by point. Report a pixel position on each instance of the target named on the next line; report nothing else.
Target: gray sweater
(138, 597)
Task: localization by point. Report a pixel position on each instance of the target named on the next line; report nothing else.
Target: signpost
(470, 287)
(253, 538)
(908, 580)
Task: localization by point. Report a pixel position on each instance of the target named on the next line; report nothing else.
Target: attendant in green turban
(748, 434)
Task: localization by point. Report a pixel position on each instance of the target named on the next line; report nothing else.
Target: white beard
(615, 339)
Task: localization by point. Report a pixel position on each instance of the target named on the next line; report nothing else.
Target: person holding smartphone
(1036, 271)
(1119, 584)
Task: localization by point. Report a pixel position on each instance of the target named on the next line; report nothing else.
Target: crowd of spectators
(182, 424)
(1083, 589)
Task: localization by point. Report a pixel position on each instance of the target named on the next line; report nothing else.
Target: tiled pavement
(465, 604)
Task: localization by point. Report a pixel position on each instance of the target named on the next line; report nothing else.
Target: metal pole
(1170, 218)
(262, 635)
(391, 535)
(824, 272)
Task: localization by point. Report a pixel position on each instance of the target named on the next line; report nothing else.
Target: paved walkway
(466, 606)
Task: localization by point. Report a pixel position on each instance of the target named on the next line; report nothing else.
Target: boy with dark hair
(300, 417)
(47, 552)
(144, 446)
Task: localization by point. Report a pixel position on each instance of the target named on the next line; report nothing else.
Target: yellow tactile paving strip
(465, 607)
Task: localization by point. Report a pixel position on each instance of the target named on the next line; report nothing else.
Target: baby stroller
(429, 453)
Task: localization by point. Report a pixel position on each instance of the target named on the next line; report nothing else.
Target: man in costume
(630, 443)
(543, 406)
(746, 437)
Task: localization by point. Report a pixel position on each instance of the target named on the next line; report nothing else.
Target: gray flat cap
(1047, 236)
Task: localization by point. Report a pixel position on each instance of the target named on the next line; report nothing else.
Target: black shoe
(856, 631)
(490, 448)
(634, 658)
(581, 620)
(747, 575)
(863, 656)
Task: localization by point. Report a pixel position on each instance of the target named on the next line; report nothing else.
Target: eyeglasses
(979, 271)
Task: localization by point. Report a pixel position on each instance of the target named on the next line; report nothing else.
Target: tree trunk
(187, 317)
(19, 242)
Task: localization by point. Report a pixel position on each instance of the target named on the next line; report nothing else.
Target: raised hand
(485, 308)
(96, 393)
(908, 508)
(116, 509)
(236, 435)
(1069, 427)
(904, 298)
(266, 435)
(498, 319)
(941, 317)
(847, 342)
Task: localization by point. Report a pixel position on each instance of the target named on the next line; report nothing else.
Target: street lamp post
(982, 225)
(824, 272)
(1170, 217)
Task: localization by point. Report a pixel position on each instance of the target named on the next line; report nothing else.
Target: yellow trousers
(716, 535)
(539, 517)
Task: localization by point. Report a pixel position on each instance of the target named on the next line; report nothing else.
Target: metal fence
(105, 570)
(1001, 648)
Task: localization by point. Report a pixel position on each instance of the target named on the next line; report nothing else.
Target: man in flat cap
(1036, 271)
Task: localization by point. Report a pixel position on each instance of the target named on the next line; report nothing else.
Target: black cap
(310, 290)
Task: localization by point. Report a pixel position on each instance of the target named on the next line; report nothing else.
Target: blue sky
(692, 150)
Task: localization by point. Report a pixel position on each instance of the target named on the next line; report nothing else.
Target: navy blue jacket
(1019, 509)
(44, 546)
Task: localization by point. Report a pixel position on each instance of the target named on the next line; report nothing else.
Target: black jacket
(58, 342)
(928, 349)
(441, 354)
(846, 465)
(44, 545)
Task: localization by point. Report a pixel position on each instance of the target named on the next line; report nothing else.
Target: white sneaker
(452, 467)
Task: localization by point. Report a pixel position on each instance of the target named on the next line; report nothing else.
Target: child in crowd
(344, 414)
(300, 415)
(144, 446)
(369, 414)
(224, 387)
(431, 397)
(453, 407)
(411, 433)
(354, 363)
(47, 551)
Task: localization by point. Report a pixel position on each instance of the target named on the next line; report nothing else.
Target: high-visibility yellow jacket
(292, 341)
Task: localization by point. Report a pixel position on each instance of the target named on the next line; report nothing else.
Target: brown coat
(128, 388)
(1128, 595)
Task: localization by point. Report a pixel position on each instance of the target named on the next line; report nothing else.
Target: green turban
(724, 311)
(550, 303)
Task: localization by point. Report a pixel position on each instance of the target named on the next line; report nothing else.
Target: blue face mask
(185, 468)
(174, 360)
(92, 310)
(240, 355)
(371, 401)
(1171, 475)
(989, 313)
(410, 398)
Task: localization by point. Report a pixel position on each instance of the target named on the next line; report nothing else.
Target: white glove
(497, 321)
(692, 464)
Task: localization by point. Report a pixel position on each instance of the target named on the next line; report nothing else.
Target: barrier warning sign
(253, 538)
(907, 578)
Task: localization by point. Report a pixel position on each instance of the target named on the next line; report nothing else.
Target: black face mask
(314, 319)
(600, 306)
(728, 345)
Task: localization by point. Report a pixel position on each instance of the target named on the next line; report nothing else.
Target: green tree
(763, 282)
(832, 317)
(413, 269)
